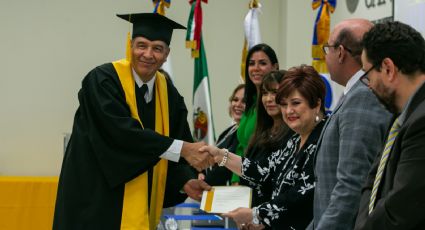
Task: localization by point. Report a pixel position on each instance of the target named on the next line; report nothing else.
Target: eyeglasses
(364, 78)
(326, 46)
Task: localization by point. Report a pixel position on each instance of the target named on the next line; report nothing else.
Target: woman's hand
(213, 151)
(242, 217)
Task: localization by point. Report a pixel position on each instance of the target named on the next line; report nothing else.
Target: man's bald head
(349, 33)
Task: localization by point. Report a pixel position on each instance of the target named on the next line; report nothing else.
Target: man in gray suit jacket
(352, 136)
(393, 197)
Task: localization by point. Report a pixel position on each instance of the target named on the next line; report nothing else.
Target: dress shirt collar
(353, 81)
(150, 84)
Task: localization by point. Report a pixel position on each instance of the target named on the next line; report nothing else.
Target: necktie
(143, 91)
(388, 145)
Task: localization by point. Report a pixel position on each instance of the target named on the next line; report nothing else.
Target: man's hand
(194, 188)
(198, 160)
(242, 216)
(252, 226)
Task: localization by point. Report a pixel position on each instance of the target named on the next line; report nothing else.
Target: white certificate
(223, 199)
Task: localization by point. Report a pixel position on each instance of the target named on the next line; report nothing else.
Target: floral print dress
(290, 171)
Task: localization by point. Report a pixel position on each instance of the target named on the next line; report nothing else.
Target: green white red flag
(203, 125)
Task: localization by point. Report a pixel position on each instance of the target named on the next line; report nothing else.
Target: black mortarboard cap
(152, 26)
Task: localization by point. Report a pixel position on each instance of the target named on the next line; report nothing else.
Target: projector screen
(411, 12)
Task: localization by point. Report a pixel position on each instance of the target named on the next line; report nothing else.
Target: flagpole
(252, 35)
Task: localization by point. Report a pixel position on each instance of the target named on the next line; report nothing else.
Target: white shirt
(173, 152)
(353, 81)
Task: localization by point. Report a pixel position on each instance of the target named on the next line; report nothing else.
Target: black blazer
(400, 200)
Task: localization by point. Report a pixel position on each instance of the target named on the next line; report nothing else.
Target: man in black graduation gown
(122, 163)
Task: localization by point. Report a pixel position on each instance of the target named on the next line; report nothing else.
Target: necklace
(231, 131)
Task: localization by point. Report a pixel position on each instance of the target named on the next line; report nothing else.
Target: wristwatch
(255, 215)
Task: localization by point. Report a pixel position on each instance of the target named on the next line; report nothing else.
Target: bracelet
(255, 214)
(224, 159)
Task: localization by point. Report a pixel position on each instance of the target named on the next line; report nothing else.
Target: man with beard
(393, 196)
(353, 134)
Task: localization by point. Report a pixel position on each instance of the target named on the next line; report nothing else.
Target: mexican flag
(203, 126)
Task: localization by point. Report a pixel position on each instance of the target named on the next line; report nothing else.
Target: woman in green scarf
(261, 60)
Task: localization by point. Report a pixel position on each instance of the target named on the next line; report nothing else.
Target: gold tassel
(128, 48)
(195, 53)
(243, 61)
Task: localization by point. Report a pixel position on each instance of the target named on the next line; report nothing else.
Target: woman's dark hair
(250, 89)
(307, 81)
(262, 134)
(398, 41)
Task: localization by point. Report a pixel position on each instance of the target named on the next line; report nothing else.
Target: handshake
(201, 156)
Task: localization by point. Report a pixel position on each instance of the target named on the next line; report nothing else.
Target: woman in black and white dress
(289, 169)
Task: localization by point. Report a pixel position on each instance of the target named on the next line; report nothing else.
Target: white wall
(411, 12)
(47, 47)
